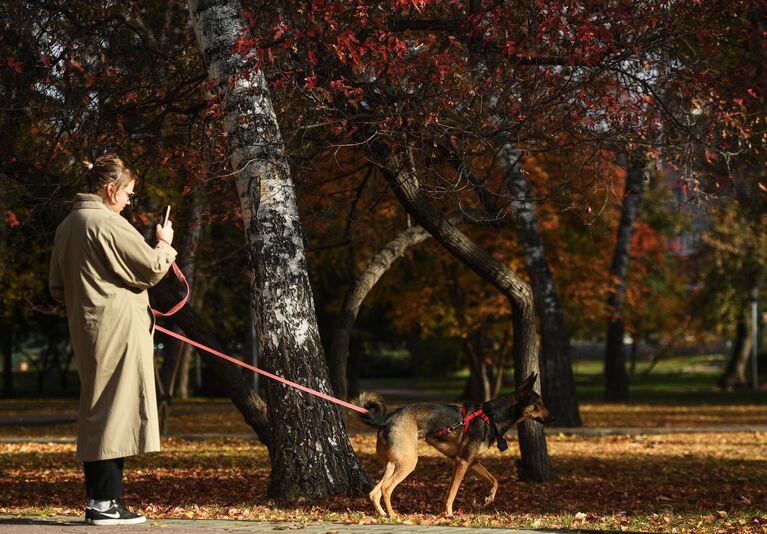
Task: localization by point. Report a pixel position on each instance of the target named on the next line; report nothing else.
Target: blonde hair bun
(108, 169)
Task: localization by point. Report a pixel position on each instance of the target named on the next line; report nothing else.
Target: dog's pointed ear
(529, 381)
(527, 385)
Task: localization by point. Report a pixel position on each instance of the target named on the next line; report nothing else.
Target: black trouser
(104, 479)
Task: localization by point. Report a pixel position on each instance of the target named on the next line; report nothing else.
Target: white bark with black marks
(310, 452)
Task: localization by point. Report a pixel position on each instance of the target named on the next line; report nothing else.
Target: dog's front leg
(459, 470)
(484, 473)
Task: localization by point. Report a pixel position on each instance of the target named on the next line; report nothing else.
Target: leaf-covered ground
(217, 416)
(660, 483)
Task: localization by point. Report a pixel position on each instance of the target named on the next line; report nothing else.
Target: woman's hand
(165, 233)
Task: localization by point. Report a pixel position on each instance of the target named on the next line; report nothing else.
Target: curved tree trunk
(557, 382)
(310, 452)
(355, 296)
(534, 464)
(616, 378)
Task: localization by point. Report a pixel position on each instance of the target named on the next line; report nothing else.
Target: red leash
(180, 305)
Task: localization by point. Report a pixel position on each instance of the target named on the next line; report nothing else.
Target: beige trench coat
(100, 270)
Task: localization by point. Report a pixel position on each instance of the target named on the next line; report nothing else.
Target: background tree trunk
(479, 385)
(188, 265)
(735, 374)
(556, 378)
(616, 378)
(400, 172)
(557, 382)
(310, 452)
(173, 377)
(6, 340)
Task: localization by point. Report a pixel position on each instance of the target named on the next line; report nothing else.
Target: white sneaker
(117, 514)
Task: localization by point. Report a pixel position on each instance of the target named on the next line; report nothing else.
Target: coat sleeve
(130, 257)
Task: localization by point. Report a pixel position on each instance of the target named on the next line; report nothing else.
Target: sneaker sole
(109, 522)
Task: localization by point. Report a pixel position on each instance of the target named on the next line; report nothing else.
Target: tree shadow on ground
(633, 484)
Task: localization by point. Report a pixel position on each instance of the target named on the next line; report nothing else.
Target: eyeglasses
(131, 194)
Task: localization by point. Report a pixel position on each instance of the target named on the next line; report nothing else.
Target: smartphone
(165, 215)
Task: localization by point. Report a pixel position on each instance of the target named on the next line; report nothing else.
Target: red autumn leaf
(11, 219)
(15, 65)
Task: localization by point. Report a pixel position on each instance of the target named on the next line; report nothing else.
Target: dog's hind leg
(484, 473)
(459, 470)
(404, 467)
(375, 494)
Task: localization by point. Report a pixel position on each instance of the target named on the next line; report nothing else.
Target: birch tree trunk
(616, 378)
(400, 173)
(310, 453)
(557, 382)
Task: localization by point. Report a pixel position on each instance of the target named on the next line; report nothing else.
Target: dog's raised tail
(373, 403)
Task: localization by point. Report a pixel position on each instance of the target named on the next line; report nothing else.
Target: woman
(100, 271)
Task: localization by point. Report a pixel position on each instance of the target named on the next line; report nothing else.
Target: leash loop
(181, 278)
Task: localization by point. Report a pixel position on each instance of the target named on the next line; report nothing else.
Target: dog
(463, 433)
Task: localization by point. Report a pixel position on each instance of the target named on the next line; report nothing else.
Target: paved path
(75, 525)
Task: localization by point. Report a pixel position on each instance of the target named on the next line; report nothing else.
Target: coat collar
(89, 201)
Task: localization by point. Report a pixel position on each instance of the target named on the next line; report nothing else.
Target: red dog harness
(465, 420)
